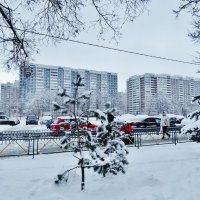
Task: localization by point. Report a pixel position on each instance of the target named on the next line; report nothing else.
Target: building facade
(146, 93)
(121, 104)
(9, 98)
(103, 85)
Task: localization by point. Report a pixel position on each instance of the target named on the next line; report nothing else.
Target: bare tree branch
(59, 18)
(193, 8)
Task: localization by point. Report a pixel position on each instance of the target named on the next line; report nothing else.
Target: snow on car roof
(177, 116)
(46, 117)
(130, 118)
(65, 117)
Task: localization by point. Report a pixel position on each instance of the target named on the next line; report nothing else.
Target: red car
(60, 124)
(64, 124)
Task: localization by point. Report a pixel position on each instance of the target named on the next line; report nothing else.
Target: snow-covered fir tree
(106, 153)
(193, 126)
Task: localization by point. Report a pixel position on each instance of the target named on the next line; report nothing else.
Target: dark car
(31, 119)
(4, 120)
(147, 122)
(172, 121)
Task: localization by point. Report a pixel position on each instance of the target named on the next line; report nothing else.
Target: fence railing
(152, 136)
(30, 142)
(33, 142)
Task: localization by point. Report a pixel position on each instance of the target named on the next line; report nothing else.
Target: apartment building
(9, 98)
(144, 89)
(103, 85)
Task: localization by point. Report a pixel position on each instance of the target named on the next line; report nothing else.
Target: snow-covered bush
(110, 158)
(192, 129)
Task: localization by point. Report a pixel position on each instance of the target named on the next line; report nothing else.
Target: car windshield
(67, 120)
(32, 117)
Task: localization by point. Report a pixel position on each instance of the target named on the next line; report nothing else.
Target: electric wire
(105, 47)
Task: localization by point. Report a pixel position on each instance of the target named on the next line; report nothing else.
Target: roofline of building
(71, 68)
(161, 75)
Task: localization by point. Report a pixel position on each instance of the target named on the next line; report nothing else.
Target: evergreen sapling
(106, 153)
(193, 126)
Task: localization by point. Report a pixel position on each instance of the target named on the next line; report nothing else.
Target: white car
(45, 119)
(4, 120)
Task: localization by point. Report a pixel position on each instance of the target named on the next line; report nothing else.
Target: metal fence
(30, 142)
(152, 136)
(14, 143)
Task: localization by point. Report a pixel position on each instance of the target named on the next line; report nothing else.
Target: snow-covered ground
(164, 172)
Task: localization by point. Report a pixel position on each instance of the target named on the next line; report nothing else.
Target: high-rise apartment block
(103, 85)
(9, 98)
(142, 89)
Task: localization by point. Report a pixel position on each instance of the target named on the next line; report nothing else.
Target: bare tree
(193, 8)
(25, 23)
(121, 103)
(158, 103)
(39, 103)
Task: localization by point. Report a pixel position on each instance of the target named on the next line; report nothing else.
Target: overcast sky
(156, 32)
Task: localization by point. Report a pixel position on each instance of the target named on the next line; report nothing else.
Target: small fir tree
(193, 126)
(109, 159)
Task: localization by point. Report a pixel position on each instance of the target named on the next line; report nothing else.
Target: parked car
(44, 119)
(31, 119)
(154, 122)
(172, 121)
(61, 123)
(147, 122)
(175, 120)
(88, 125)
(4, 120)
(65, 123)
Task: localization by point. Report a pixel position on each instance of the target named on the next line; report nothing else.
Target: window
(2, 117)
(152, 120)
(158, 121)
(147, 120)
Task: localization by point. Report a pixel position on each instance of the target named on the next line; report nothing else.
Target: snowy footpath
(165, 172)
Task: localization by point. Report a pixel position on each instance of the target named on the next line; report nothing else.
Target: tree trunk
(82, 176)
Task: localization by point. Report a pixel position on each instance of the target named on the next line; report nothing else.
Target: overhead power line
(106, 47)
